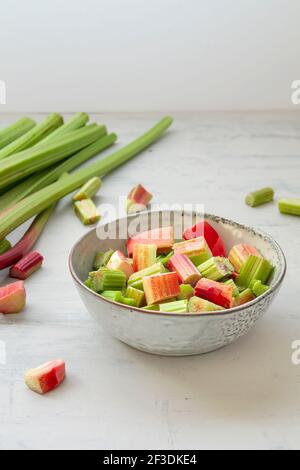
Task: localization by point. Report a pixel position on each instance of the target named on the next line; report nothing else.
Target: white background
(117, 55)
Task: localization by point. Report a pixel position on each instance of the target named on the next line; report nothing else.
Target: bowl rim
(188, 314)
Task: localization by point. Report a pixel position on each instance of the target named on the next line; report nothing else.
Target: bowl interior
(82, 255)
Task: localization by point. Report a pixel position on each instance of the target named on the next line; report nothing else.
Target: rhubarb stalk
(16, 130)
(39, 201)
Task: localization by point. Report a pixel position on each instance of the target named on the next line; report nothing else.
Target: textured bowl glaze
(176, 334)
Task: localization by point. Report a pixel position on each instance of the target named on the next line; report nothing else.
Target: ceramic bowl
(175, 334)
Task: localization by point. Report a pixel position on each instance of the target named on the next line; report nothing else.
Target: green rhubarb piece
(216, 268)
(76, 122)
(87, 211)
(37, 202)
(179, 306)
(200, 259)
(244, 297)
(88, 283)
(106, 279)
(289, 206)
(46, 177)
(136, 279)
(186, 292)
(5, 245)
(102, 258)
(230, 282)
(258, 288)
(15, 131)
(254, 268)
(198, 305)
(35, 135)
(164, 259)
(88, 190)
(37, 158)
(137, 295)
(262, 196)
(113, 295)
(128, 301)
(154, 308)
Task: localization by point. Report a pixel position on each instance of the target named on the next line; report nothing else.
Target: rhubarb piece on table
(240, 253)
(46, 377)
(186, 292)
(204, 229)
(179, 306)
(216, 268)
(197, 305)
(215, 292)
(185, 269)
(258, 288)
(260, 197)
(254, 268)
(230, 282)
(161, 287)
(101, 259)
(137, 295)
(245, 297)
(119, 262)
(27, 266)
(87, 211)
(289, 206)
(138, 199)
(12, 298)
(196, 247)
(163, 238)
(5, 245)
(88, 190)
(144, 256)
(136, 280)
(106, 279)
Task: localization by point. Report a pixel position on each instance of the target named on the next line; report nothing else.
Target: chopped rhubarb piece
(144, 256)
(254, 268)
(289, 206)
(137, 295)
(196, 247)
(86, 211)
(258, 288)
(230, 282)
(185, 269)
(27, 266)
(161, 287)
(46, 377)
(245, 297)
(119, 262)
(260, 197)
(197, 305)
(138, 199)
(204, 229)
(88, 190)
(179, 306)
(154, 308)
(240, 253)
(163, 238)
(101, 259)
(215, 292)
(186, 292)
(216, 268)
(164, 259)
(106, 279)
(136, 280)
(12, 298)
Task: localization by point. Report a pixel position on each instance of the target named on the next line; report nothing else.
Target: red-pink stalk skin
(27, 242)
(162, 237)
(185, 269)
(139, 195)
(119, 262)
(27, 266)
(12, 298)
(161, 287)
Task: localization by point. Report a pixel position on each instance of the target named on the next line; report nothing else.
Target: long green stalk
(16, 130)
(37, 202)
(29, 161)
(76, 122)
(42, 179)
(37, 133)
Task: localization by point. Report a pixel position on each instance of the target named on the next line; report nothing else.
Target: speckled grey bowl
(176, 334)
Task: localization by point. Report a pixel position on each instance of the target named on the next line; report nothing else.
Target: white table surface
(244, 396)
